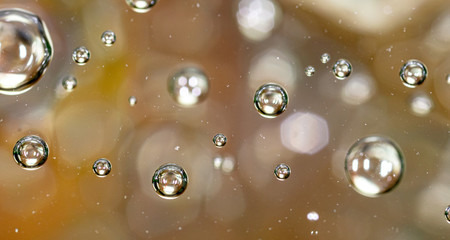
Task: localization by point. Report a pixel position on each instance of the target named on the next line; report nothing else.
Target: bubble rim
(417, 62)
(16, 151)
(284, 97)
(155, 180)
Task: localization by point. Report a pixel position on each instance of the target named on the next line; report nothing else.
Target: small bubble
(448, 79)
(30, 152)
(309, 71)
(421, 104)
(26, 50)
(102, 167)
(447, 214)
(219, 140)
(69, 83)
(108, 38)
(170, 181)
(282, 172)
(81, 55)
(270, 100)
(312, 216)
(188, 86)
(132, 100)
(374, 165)
(141, 6)
(413, 73)
(342, 69)
(325, 58)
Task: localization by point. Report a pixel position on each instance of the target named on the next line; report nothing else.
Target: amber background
(65, 200)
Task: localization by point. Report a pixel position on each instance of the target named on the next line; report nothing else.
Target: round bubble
(219, 140)
(81, 55)
(309, 71)
(170, 181)
(108, 38)
(282, 172)
(342, 69)
(102, 167)
(270, 100)
(188, 86)
(413, 73)
(30, 152)
(69, 83)
(141, 6)
(132, 100)
(324, 58)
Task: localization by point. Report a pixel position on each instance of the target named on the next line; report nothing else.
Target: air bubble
(102, 167)
(342, 69)
(30, 152)
(374, 165)
(141, 6)
(413, 73)
(170, 181)
(219, 140)
(132, 100)
(325, 58)
(69, 83)
(282, 172)
(188, 86)
(81, 55)
(448, 79)
(108, 38)
(421, 104)
(26, 50)
(309, 71)
(447, 214)
(270, 100)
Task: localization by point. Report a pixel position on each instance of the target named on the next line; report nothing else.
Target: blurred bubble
(141, 6)
(309, 71)
(324, 58)
(342, 69)
(102, 167)
(81, 55)
(132, 100)
(108, 38)
(224, 163)
(258, 18)
(448, 79)
(312, 216)
(270, 100)
(30, 152)
(413, 73)
(358, 89)
(304, 132)
(69, 83)
(188, 86)
(26, 50)
(421, 104)
(219, 140)
(282, 172)
(374, 165)
(170, 181)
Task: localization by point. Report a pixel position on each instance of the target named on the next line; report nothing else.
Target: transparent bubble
(30, 152)
(448, 79)
(102, 167)
(282, 171)
(447, 214)
(132, 100)
(219, 140)
(81, 55)
(69, 83)
(188, 86)
(342, 69)
(270, 100)
(26, 50)
(374, 165)
(108, 38)
(309, 71)
(312, 216)
(413, 73)
(141, 6)
(325, 58)
(170, 181)
(421, 104)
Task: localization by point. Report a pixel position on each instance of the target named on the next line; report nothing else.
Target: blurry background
(232, 192)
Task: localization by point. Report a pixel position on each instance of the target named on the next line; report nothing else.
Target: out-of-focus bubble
(81, 55)
(342, 69)
(358, 89)
(282, 172)
(224, 163)
(421, 104)
(132, 100)
(170, 181)
(69, 83)
(141, 6)
(448, 79)
(304, 132)
(413, 73)
(324, 58)
(270, 100)
(188, 86)
(30, 152)
(26, 50)
(102, 167)
(309, 71)
(312, 216)
(219, 140)
(258, 18)
(374, 165)
(108, 38)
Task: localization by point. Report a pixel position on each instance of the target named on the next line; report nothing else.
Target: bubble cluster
(81, 55)
(132, 100)
(342, 69)
(108, 38)
(102, 167)
(141, 6)
(219, 140)
(324, 58)
(374, 165)
(447, 214)
(30, 152)
(188, 86)
(69, 83)
(170, 181)
(282, 172)
(26, 50)
(270, 100)
(413, 73)
(309, 71)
